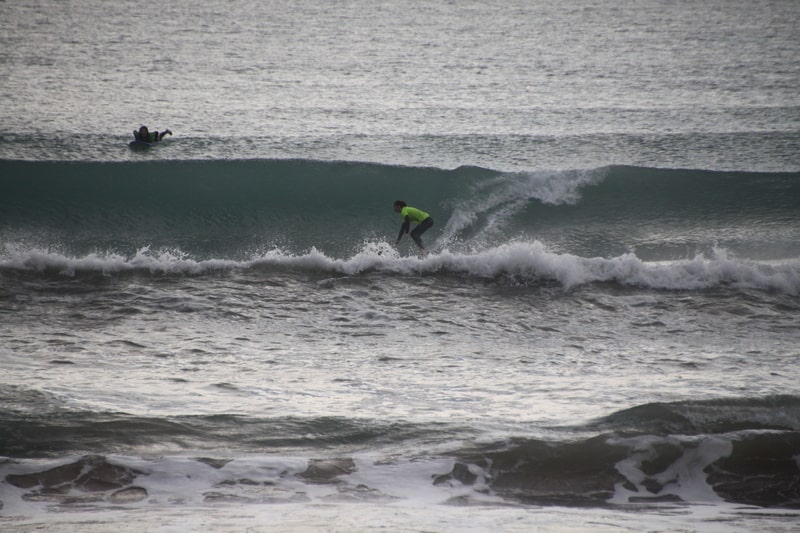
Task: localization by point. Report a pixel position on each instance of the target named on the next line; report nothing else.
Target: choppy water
(513, 86)
(218, 333)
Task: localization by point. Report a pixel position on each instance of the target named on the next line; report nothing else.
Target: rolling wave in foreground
(654, 453)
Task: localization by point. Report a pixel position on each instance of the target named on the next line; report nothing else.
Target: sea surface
(220, 333)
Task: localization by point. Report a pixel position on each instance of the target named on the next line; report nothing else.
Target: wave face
(690, 451)
(605, 224)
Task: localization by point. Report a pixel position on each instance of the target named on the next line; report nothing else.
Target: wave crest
(516, 263)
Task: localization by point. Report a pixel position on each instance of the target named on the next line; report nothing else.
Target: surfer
(150, 137)
(412, 214)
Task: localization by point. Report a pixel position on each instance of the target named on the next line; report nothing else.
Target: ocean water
(219, 333)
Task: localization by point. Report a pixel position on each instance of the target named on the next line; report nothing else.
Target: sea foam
(516, 263)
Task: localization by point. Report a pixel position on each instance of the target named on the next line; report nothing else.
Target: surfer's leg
(419, 230)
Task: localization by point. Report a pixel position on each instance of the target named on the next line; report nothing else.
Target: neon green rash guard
(413, 214)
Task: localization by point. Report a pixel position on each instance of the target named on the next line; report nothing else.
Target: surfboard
(140, 144)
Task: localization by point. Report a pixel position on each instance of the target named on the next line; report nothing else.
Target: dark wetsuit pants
(421, 228)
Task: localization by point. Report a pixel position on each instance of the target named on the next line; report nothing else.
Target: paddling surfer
(149, 136)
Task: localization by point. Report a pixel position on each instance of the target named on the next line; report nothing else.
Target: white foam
(515, 262)
(499, 199)
(160, 261)
(182, 480)
(683, 478)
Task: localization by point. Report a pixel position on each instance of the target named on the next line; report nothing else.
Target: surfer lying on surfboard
(150, 137)
(412, 214)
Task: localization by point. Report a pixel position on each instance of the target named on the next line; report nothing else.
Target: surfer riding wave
(412, 214)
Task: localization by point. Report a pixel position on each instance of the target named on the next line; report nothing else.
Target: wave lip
(724, 415)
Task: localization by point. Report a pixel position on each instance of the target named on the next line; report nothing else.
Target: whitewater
(219, 332)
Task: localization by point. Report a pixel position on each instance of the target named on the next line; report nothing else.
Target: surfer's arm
(161, 135)
(404, 228)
